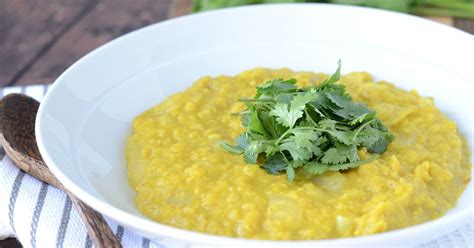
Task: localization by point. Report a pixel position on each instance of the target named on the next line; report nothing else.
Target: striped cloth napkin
(40, 215)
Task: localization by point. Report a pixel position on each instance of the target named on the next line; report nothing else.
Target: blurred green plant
(455, 8)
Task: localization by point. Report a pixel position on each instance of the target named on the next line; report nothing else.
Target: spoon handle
(32, 166)
(96, 225)
(17, 136)
(98, 229)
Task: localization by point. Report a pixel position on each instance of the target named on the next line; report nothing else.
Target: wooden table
(40, 39)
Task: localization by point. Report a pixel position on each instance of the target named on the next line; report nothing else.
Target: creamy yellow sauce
(183, 178)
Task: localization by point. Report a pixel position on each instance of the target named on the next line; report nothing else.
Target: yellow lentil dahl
(184, 179)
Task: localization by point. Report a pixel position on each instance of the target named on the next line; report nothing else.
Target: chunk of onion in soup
(333, 181)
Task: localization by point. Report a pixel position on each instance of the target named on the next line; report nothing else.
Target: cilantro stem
(255, 100)
(360, 129)
(284, 135)
(309, 117)
(284, 158)
(297, 128)
(360, 162)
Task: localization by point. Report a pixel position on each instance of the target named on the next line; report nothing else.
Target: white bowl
(83, 121)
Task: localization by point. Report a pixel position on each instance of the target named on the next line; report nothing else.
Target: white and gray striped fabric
(40, 215)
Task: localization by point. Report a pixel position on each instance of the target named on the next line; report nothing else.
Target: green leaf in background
(395, 5)
(455, 8)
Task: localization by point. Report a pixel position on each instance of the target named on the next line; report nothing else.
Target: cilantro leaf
(275, 164)
(296, 153)
(340, 153)
(316, 168)
(327, 124)
(299, 101)
(241, 144)
(242, 141)
(255, 125)
(379, 146)
(230, 148)
(349, 110)
(305, 137)
(269, 124)
(317, 128)
(275, 87)
(245, 119)
(252, 151)
(286, 117)
(334, 77)
(375, 137)
(285, 98)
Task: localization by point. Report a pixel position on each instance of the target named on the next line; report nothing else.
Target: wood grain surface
(29, 28)
(40, 39)
(115, 17)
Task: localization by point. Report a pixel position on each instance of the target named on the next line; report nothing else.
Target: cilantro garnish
(317, 128)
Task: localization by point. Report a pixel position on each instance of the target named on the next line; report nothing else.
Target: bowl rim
(149, 226)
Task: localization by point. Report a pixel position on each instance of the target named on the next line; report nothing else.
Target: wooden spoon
(17, 135)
